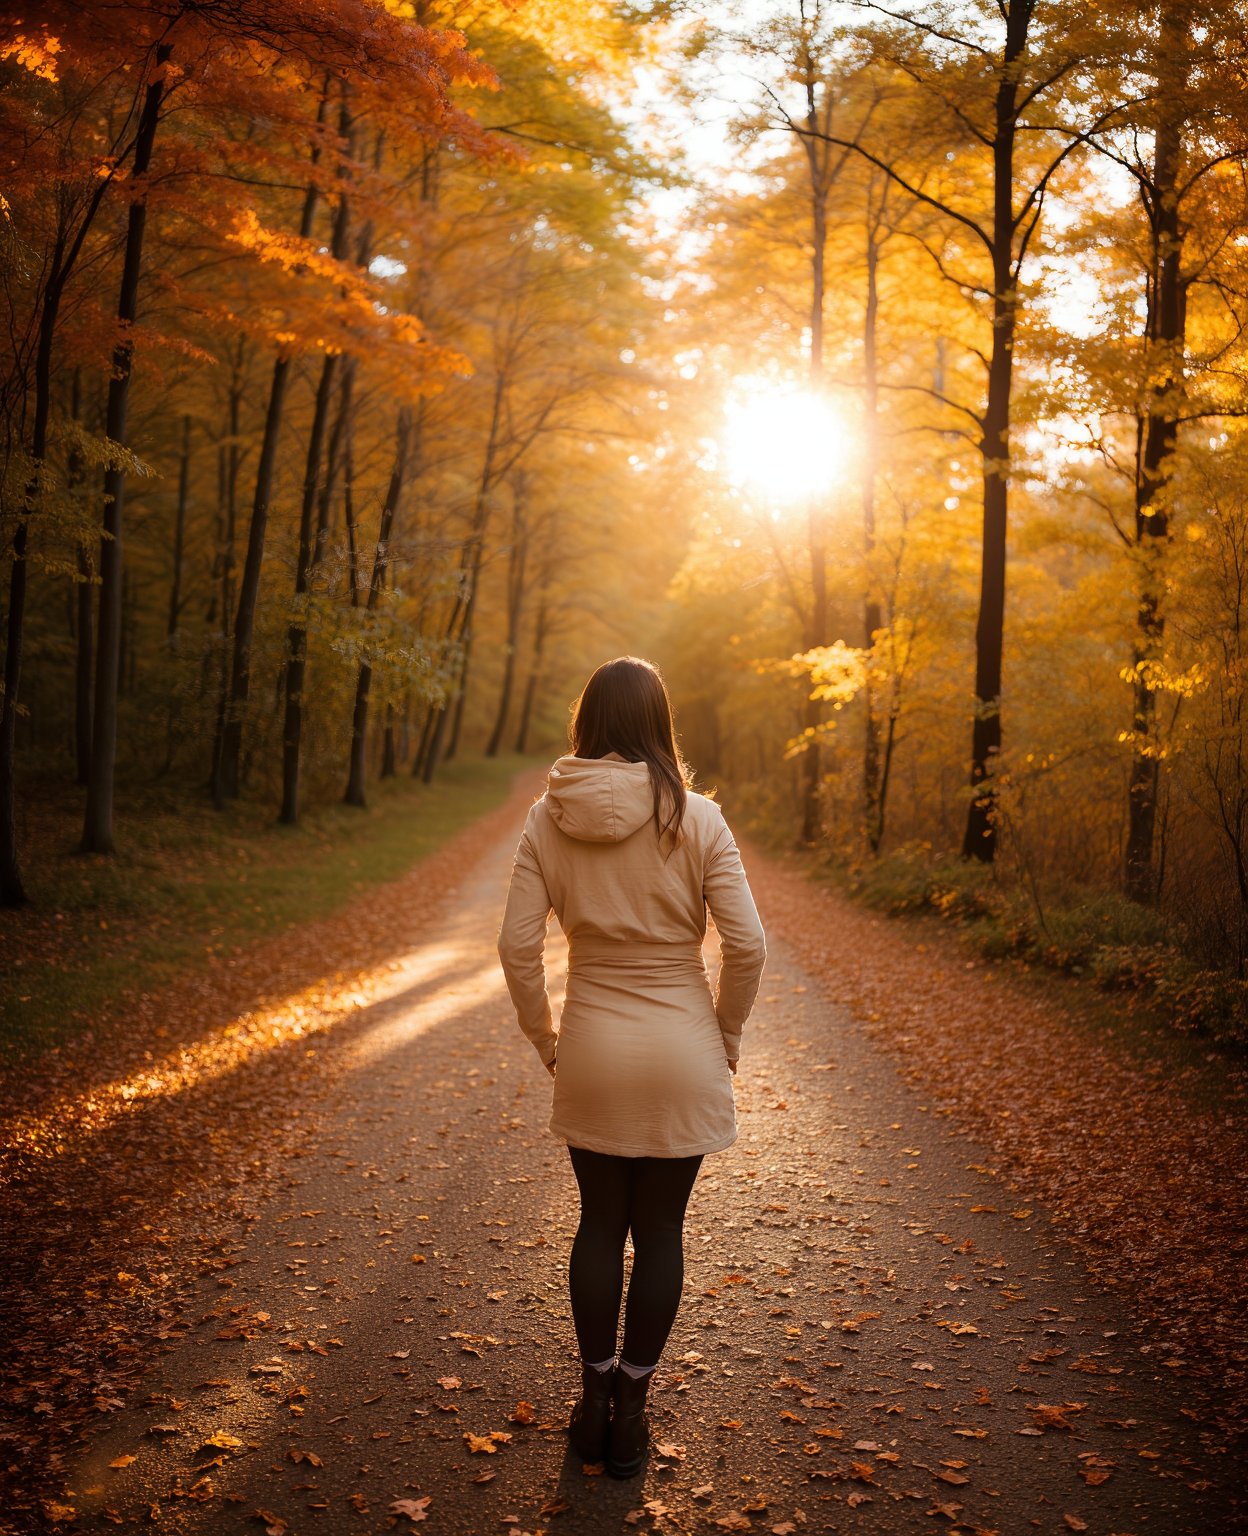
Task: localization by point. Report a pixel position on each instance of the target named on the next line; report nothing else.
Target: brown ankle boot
(587, 1428)
(629, 1434)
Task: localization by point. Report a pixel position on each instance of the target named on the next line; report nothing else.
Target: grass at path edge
(190, 884)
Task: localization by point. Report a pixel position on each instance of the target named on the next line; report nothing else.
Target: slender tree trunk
(381, 557)
(227, 770)
(980, 838)
(179, 531)
(297, 632)
(460, 625)
(873, 799)
(224, 568)
(97, 832)
(535, 672)
(335, 457)
(426, 738)
(515, 607)
(389, 764)
(812, 709)
(1165, 330)
(84, 615)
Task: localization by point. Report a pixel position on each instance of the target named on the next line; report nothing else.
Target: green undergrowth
(189, 884)
(1114, 943)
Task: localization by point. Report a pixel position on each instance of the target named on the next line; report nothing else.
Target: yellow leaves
(1160, 677)
(220, 1441)
(38, 55)
(451, 1383)
(123, 1461)
(523, 1413)
(487, 1443)
(309, 1457)
(837, 673)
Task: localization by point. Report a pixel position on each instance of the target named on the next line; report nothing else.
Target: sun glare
(788, 445)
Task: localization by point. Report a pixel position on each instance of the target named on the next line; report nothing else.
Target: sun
(787, 444)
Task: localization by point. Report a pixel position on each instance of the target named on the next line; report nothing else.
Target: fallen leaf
(414, 1509)
(1053, 1415)
(123, 1461)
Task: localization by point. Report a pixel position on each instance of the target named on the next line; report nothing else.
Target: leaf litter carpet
(319, 1284)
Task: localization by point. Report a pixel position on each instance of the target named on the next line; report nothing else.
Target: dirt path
(877, 1334)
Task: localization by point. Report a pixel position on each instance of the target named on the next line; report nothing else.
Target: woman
(630, 860)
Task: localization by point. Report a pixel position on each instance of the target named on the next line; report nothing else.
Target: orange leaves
(1054, 1415)
(488, 1442)
(412, 1509)
(38, 55)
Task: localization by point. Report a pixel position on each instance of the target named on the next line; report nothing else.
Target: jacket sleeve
(743, 947)
(521, 943)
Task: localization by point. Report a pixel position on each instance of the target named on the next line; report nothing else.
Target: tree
(991, 74)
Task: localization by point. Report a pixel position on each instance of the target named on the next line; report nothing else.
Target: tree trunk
(872, 784)
(84, 615)
(1165, 332)
(459, 627)
(227, 769)
(980, 838)
(816, 635)
(422, 746)
(97, 832)
(515, 607)
(179, 531)
(535, 672)
(389, 764)
(812, 709)
(297, 632)
(223, 570)
(381, 557)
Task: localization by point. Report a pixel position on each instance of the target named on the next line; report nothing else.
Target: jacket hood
(599, 799)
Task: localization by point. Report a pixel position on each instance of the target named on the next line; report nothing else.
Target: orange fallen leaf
(413, 1509)
(1053, 1415)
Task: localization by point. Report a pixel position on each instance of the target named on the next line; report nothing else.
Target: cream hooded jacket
(644, 1041)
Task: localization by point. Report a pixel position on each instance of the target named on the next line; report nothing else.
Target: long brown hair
(624, 708)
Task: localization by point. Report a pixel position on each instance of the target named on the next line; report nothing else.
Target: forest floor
(291, 1256)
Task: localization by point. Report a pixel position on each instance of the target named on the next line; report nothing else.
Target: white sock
(636, 1371)
(602, 1365)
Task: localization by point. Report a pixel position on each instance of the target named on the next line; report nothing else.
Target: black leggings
(647, 1195)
